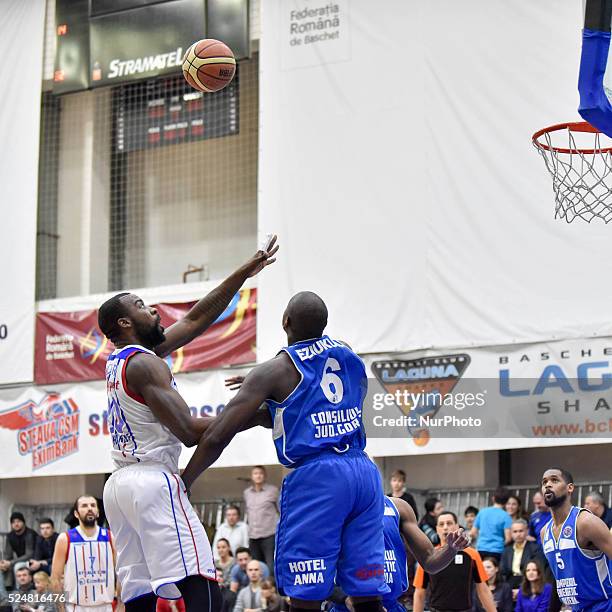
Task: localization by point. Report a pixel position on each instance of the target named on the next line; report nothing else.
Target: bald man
(332, 502)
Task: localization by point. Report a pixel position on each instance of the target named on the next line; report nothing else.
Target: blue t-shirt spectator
(491, 524)
(535, 603)
(537, 520)
(240, 576)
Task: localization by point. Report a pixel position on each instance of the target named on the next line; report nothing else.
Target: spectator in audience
(469, 514)
(539, 517)
(534, 594)
(249, 598)
(398, 489)
(43, 553)
(261, 501)
(23, 586)
(517, 554)
(224, 561)
(501, 591)
(492, 527)
(233, 530)
(19, 548)
(453, 587)
(42, 585)
(594, 502)
(271, 601)
(228, 597)
(514, 507)
(433, 508)
(238, 575)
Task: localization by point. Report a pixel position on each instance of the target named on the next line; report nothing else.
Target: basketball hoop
(579, 159)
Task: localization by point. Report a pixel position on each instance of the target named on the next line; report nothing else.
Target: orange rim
(577, 126)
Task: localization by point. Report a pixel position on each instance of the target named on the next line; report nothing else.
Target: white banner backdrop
(396, 166)
(21, 49)
(550, 387)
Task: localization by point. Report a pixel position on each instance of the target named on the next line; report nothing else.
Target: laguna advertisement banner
(70, 347)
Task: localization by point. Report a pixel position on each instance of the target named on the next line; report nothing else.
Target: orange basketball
(209, 65)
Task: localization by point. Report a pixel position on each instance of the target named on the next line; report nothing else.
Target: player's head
(125, 317)
(86, 510)
(446, 522)
(305, 317)
(557, 487)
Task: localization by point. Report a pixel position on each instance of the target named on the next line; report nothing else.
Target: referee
(451, 589)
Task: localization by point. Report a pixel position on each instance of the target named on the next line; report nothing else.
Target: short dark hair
(75, 506)
(430, 504)
(470, 510)
(22, 569)
(567, 477)
(501, 495)
(46, 520)
(233, 507)
(108, 315)
(447, 512)
(259, 467)
(399, 474)
(242, 549)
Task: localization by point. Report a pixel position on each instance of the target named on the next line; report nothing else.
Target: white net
(579, 160)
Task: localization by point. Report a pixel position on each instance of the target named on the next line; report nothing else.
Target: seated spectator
(43, 553)
(224, 561)
(23, 585)
(228, 597)
(271, 601)
(539, 517)
(514, 507)
(469, 514)
(42, 585)
(595, 503)
(492, 527)
(238, 574)
(249, 598)
(433, 508)
(233, 530)
(170, 605)
(534, 594)
(517, 554)
(19, 548)
(501, 591)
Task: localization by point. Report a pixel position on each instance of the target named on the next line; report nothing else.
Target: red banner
(70, 347)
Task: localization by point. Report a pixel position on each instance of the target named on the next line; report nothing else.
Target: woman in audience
(514, 507)
(43, 587)
(501, 591)
(534, 594)
(226, 560)
(271, 601)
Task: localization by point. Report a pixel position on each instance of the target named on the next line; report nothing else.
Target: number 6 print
(331, 383)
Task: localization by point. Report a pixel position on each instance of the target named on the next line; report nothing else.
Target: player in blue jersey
(577, 545)
(401, 529)
(332, 503)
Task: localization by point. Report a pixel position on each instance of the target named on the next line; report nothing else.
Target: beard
(555, 501)
(150, 336)
(88, 520)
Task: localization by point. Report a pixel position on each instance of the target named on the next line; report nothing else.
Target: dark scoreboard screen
(168, 111)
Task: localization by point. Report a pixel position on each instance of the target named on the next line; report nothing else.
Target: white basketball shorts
(158, 536)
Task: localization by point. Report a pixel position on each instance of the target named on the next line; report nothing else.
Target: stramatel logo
(142, 65)
(419, 387)
(47, 429)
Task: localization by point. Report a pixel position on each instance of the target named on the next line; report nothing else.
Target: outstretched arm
(207, 310)
(432, 560)
(238, 413)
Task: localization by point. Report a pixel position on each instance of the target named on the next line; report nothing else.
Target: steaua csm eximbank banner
(70, 347)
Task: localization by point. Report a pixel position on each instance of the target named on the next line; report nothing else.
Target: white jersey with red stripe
(89, 574)
(136, 433)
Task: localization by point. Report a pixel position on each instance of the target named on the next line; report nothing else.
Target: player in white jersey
(84, 562)
(162, 548)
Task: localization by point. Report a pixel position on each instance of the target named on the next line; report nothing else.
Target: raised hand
(263, 258)
(458, 540)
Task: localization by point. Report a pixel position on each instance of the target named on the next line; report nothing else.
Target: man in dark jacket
(517, 554)
(43, 555)
(19, 548)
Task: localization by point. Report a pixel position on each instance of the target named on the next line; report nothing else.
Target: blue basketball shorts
(331, 528)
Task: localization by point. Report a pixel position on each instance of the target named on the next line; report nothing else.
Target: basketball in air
(209, 65)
